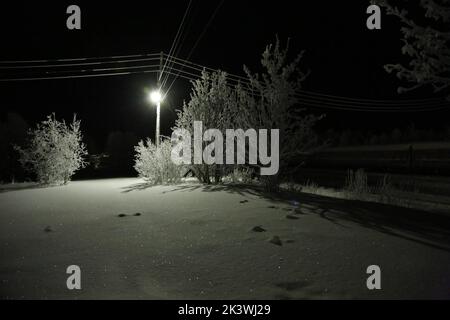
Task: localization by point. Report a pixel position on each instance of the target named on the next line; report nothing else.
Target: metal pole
(158, 105)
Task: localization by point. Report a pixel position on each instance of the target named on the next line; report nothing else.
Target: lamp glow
(155, 96)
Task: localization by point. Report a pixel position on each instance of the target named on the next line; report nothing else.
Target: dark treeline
(13, 131)
(115, 156)
(409, 134)
(115, 159)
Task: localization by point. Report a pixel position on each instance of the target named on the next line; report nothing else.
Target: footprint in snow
(258, 229)
(272, 207)
(243, 201)
(276, 240)
(48, 229)
(137, 214)
(290, 216)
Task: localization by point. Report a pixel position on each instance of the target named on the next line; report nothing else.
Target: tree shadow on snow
(240, 189)
(138, 187)
(22, 186)
(189, 187)
(427, 228)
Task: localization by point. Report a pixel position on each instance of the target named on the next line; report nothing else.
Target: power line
(335, 106)
(78, 59)
(177, 37)
(310, 98)
(80, 64)
(206, 28)
(79, 76)
(197, 67)
(178, 47)
(340, 106)
(315, 104)
(304, 93)
(361, 100)
(190, 65)
(200, 67)
(110, 69)
(199, 38)
(190, 76)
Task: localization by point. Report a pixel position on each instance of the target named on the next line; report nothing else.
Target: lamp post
(156, 97)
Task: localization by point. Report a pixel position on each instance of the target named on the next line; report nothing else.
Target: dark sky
(345, 57)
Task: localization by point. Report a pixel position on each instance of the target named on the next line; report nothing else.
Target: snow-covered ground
(196, 242)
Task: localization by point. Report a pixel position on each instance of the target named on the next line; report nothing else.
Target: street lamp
(156, 97)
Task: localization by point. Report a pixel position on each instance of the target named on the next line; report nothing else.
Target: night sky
(345, 57)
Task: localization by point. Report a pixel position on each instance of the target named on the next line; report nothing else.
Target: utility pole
(158, 104)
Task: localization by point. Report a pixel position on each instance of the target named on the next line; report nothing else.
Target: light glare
(155, 96)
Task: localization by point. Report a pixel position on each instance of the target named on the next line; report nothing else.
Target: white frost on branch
(427, 46)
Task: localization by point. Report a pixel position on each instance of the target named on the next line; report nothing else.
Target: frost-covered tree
(55, 151)
(212, 101)
(270, 102)
(265, 101)
(426, 43)
(155, 165)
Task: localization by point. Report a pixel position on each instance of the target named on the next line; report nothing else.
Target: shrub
(385, 189)
(356, 182)
(55, 151)
(155, 164)
(242, 174)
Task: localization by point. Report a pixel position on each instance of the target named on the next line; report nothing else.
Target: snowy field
(198, 242)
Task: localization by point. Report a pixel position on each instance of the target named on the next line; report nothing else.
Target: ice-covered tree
(426, 43)
(270, 102)
(212, 101)
(262, 101)
(155, 165)
(55, 151)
